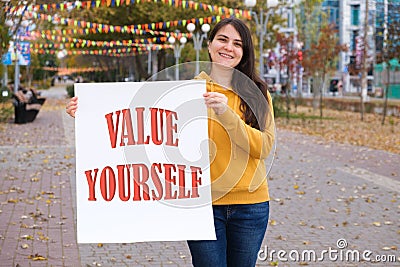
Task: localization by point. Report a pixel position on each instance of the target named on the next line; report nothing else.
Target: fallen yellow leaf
(27, 237)
(37, 257)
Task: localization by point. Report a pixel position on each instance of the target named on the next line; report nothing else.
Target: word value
(161, 120)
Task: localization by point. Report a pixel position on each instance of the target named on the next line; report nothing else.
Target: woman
(241, 132)
(241, 128)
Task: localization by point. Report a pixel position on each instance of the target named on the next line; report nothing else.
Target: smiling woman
(241, 128)
(226, 49)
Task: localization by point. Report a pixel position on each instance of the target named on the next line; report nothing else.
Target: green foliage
(304, 117)
(4, 37)
(6, 111)
(309, 21)
(70, 90)
(135, 13)
(278, 104)
(321, 42)
(392, 124)
(5, 98)
(280, 110)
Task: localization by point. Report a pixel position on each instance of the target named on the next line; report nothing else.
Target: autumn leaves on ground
(346, 127)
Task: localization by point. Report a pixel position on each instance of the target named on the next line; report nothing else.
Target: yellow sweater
(237, 152)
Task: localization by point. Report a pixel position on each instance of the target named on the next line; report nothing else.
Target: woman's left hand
(217, 101)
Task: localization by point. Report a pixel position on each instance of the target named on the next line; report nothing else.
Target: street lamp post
(21, 27)
(149, 60)
(16, 69)
(18, 26)
(47, 64)
(61, 56)
(198, 40)
(261, 20)
(177, 52)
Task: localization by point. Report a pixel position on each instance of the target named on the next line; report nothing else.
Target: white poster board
(142, 164)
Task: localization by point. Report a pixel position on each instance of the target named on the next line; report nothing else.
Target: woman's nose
(229, 46)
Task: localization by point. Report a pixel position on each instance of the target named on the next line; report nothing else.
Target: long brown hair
(253, 108)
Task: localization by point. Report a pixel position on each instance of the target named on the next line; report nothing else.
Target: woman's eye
(238, 44)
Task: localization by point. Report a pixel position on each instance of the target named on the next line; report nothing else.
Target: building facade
(362, 27)
(351, 20)
(354, 18)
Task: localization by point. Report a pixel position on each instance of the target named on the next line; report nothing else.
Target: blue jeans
(240, 230)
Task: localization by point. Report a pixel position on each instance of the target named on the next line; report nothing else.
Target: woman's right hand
(72, 106)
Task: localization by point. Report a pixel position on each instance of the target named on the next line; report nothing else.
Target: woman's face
(226, 47)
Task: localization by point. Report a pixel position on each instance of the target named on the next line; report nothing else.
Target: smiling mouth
(226, 55)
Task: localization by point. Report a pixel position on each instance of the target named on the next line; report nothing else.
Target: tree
(56, 21)
(391, 46)
(288, 63)
(55, 16)
(139, 13)
(4, 36)
(321, 46)
(365, 61)
(11, 20)
(308, 24)
(320, 60)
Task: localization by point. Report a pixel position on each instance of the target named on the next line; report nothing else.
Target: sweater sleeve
(255, 142)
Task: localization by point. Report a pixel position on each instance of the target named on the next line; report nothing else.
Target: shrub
(6, 111)
(70, 90)
(5, 94)
(278, 104)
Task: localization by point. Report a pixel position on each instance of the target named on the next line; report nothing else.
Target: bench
(26, 105)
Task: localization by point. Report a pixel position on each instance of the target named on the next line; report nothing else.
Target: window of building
(331, 8)
(379, 24)
(353, 42)
(355, 15)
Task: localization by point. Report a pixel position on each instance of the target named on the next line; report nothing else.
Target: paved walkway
(331, 203)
